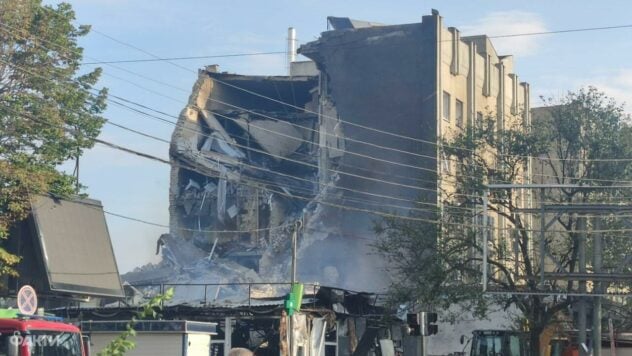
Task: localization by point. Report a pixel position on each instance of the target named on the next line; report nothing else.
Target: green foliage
(150, 310)
(42, 99)
(441, 264)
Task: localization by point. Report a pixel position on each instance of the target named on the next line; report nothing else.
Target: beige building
(477, 86)
(474, 83)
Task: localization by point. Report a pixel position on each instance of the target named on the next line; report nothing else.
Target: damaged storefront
(331, 322)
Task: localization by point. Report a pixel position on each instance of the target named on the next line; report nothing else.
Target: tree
(48, 114)
(440, 263)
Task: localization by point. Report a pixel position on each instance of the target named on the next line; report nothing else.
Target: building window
(487, 84)
(446, 106)
(459, 113)
(491, 125)
(445, 163)
(478, 125)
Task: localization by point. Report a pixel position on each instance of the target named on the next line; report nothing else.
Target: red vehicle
(37, 336)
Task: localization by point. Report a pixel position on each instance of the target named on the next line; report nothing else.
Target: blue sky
(133, 186)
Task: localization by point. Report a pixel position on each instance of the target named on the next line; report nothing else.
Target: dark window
(478, 125)
(446, 106)
(459, 113)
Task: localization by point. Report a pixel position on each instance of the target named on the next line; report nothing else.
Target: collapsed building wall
(235, 156)
(251, 154)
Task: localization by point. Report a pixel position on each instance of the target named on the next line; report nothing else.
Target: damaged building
(348, 138)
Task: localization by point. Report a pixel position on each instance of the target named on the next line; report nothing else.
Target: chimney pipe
(291, 48)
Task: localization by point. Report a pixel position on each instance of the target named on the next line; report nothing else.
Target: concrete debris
(216, 143)
(279, 138)
(178, 253)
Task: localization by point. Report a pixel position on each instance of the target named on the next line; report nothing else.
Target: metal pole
(613, 350)
(542, 235)
(291, 49)
(294, 238)
(484, 229)
(297, 226)
(597, 264)
(581, 307)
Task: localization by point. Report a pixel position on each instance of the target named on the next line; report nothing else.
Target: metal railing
(242, 292)
(277, 290)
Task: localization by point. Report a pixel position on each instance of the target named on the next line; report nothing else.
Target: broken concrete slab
(279, 138)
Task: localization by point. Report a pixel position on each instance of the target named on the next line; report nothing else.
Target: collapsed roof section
(345, 23)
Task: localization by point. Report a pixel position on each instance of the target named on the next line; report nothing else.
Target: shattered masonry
(245, 161)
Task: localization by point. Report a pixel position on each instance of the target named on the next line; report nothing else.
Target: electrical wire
(146, 222)
(411, 208)
(184, 58)
(350, 139)
(285, 52)
(342, 188)
(361, 192)
(340, 206)
(384, 180)
(363, 126)
(304, 190)
(311, 165)
(276, 119)
(371, 128)
(343, 207)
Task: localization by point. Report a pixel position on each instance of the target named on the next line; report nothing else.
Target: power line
(260, 168)
(368, 127)
(524, 34)
(128, 151)
(248, 148)
(308, 191)
(146, 222)
(222, 139)
(148, 156)
(333, 135)
(354, 124)
(416, 219)
(306, 164)
(184, 58)
(349, 138)
(340, 206)
(264, 129)
(581, 29)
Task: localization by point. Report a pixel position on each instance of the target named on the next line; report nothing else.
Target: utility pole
(297, 226)
(293, 279)
(597, 264)
(76, 173)
(613, 349)
(581, 305)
